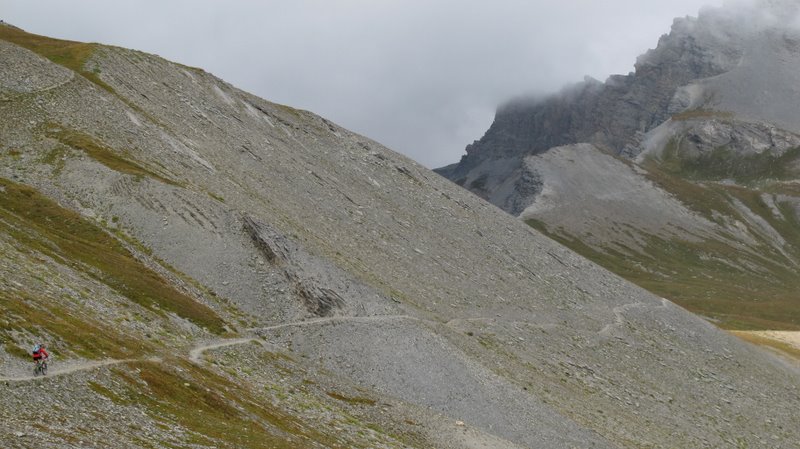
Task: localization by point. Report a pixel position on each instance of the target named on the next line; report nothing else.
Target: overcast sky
(423, 77)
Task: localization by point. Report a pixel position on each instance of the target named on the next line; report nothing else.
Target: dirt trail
(195, 354)
(619, 315)
(53, 372)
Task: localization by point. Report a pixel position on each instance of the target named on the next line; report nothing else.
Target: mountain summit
(738, 59)
(210, 269)
(681, 176)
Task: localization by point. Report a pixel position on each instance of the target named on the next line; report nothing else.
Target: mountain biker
(40, 353)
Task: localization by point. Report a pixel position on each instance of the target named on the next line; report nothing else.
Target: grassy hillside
(70, 54)
(741, 278)
(339, 296)
(69, 282)
(38, 224)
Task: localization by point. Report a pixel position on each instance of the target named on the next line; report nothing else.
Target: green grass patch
(16, 351)
(106, 392)
(218, 412)
(700, 198)
(40, 224)
(55, 158)
(712, 278)
(724, 163)
(100, 152)
(215, 196)
(70, 54)
(702, 114)
(80, 334)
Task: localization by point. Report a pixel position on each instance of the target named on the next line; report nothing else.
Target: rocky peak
(716, 61)
(150, 209)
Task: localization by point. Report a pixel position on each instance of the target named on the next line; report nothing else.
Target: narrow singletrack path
(195, 353)
(79, 367)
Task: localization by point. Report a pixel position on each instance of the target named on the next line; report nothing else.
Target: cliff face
(680, 74)
(683, 170)
(214, 270)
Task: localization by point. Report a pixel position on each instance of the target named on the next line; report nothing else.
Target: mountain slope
(681, 176)
(388, 307)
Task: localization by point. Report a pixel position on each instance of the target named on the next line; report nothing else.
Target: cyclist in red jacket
(40, 353)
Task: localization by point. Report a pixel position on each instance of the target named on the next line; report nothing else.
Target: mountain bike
(40, 368)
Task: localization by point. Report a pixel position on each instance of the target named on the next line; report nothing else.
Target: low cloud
(422, 77)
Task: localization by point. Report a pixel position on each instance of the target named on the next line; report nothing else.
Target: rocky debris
(599, 199)
(276, 247)
(696, 137)
(324, 289)
(24, 72)
(502, 328)
(733, 60)
(319, 301)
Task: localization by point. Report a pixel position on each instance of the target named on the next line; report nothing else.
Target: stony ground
(429, 317)
(681, 176)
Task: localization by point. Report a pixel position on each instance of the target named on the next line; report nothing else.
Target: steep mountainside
(681, 176)
(214, 270)
(613, 115)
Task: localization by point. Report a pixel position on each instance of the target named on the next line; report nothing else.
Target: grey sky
(422, 77)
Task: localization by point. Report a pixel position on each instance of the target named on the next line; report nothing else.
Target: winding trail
(11, 96)
(619, 317)
(80, 367)
(196, 353)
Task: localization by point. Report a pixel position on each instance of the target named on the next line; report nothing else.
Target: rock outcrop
(329, 292)
(685, 169)
(736, 59)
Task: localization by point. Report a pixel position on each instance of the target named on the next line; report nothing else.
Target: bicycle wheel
(44, 368)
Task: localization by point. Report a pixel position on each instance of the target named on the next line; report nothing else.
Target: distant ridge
(680, 177)
(210, 269)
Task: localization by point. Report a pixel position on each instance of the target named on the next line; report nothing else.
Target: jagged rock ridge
(714, 61)
(705, 137)
(331, 292)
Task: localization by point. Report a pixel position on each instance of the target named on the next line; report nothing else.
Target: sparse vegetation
(70, 54)
(73, 333)
(760, 340)
(737, 284)
(216, 197)
(16, 351)
(99, 152)
(40, 224)
(724, 163)
(740, 289)
(701, 114)
(222, 413)
(351, 400)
